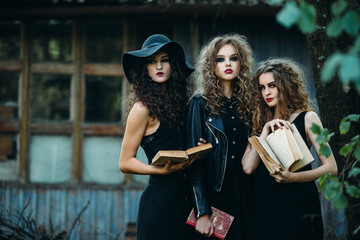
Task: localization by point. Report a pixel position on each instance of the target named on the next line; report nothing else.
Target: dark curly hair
(289, 80)
(168, 106)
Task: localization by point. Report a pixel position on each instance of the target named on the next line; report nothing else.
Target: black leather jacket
(207, 173)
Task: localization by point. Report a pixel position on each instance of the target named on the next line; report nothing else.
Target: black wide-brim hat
(151, 45)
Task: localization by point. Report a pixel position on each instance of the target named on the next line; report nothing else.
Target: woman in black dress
(221, 115)
(160, 90)
(286, 204)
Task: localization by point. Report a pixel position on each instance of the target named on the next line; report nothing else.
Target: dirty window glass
(101, 160)
(50, 97)
(9, 40)
(50, 158)
(9, 95)
(142, 157)
(104, 41)
(52, 41)
(103, 99)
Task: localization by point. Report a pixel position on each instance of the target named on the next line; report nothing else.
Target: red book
(222, 222)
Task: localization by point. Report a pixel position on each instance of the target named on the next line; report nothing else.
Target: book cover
(177, 156)
(221, 220)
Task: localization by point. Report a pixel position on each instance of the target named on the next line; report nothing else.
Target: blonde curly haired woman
(220, 113)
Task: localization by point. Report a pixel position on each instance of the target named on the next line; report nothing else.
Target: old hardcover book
(284, 148)
(178, 156)
(221, 220)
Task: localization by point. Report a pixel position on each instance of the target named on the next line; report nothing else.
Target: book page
(293, 145)
(280, 145)
(268, 150)
(267, 156)
(308, 158)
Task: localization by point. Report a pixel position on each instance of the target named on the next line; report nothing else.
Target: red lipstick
(269, 99)
(228, 71)
(159, 74)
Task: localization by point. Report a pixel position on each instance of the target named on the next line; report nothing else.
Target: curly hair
(292, 96)
(209, 85)
(167, 106)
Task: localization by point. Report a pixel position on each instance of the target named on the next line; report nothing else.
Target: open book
(178, 156)
(221, 220)
(284, 148)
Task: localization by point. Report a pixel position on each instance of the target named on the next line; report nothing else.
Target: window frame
(76, 127)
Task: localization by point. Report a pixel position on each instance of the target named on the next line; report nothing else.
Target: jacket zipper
(197, 204)
(227, 145)
(216, 139)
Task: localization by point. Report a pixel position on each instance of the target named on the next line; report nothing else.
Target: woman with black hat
(158, 73)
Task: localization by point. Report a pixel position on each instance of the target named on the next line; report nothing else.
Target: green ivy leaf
(356, 138)
(352, 190)
(354, 117)
(307, 19)
(330, 66)
(338, 7)
(324, 136)
(354, 172)
(332, 189)
(334, 28)
(325, 150)
(344, 126)
(351, 22)
(322, 182)
(356, 152)
(315, 128)
(327, 135)
(288, 15)
(345, 122)
(349, 68)
(340, 201)
(333, 178)
(324, 179)
(345, 150)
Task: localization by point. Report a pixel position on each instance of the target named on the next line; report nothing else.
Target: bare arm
(138, 123)
(328, 164)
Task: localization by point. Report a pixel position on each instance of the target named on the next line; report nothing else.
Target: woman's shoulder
(140, 109)
(312, 117)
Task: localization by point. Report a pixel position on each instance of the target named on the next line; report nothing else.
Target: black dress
(286, 211)
(163, 206)
(236, 193)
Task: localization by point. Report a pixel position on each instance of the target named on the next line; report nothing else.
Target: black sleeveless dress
(163, 206)
(286, 211)
(236, 193)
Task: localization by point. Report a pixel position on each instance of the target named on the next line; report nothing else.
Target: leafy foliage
(302, 14)
(340, 190)
(346, 65)
(346, 21)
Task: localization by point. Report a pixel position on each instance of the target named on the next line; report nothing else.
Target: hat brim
(129, 58)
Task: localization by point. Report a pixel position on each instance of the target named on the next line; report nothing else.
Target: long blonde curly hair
(292, 96)
(209, 85)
